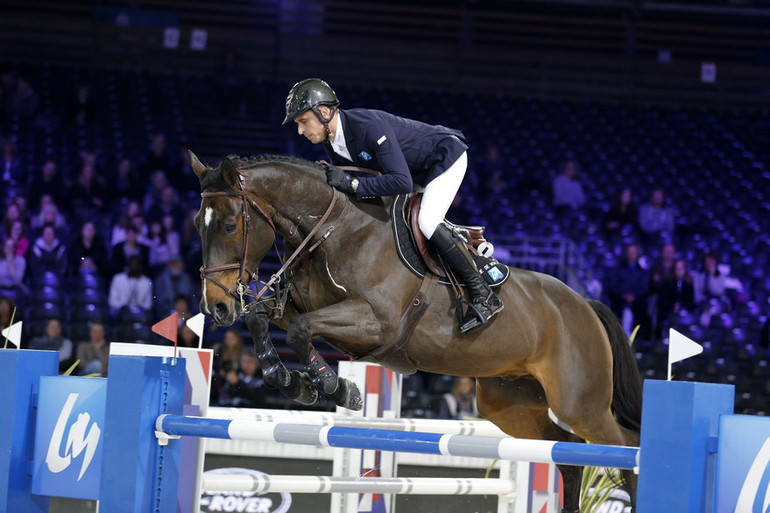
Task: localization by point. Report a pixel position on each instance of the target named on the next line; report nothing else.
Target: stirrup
(479, 313)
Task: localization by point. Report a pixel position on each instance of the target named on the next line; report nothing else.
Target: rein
(242, 289)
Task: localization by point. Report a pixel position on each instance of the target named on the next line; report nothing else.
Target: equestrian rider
(405, 152)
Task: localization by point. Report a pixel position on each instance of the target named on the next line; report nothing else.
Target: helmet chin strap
(326, 121)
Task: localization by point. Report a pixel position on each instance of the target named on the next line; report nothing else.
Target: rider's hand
(340, 180)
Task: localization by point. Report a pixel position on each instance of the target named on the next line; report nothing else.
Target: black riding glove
(340, 180)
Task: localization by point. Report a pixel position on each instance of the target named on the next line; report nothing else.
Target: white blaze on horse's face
(208, 215)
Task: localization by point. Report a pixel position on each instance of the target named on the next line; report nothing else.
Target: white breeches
(439, 195)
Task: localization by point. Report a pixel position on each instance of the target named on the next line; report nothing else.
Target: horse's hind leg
(519, 408)
(294, 385)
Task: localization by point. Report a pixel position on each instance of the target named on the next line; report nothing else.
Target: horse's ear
(196, 164)
(229, 172)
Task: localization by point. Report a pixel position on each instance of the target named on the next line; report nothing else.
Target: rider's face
(311, 127)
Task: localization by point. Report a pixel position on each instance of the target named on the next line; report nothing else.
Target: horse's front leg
(350, 320)
(294, 385)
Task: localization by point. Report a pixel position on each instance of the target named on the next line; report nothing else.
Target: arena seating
(713, 166)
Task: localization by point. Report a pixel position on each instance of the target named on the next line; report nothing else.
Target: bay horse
(550, 347)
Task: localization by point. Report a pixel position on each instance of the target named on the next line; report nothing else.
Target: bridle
(242, 289)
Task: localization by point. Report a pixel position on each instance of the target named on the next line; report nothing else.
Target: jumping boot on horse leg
(484, 303)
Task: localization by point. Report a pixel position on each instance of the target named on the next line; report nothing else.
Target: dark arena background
(666, 100)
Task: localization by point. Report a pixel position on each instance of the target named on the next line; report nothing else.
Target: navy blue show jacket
(405, 151)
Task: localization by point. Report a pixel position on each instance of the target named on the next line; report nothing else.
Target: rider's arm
(395, 178)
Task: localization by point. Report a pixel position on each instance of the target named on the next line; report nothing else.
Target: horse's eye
(230, 228)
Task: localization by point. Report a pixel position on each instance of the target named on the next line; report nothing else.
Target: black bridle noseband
(242, 289)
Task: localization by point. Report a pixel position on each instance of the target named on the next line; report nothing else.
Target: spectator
(152, 195)
(676, 293)
(191, 241)
(12, 175)
(11, 215)
(182, 307)
(187, 337)
(50, 183)
(567, 188)
(118, 234)
(157, 158)
(12, 268)
(228, 353)
(172, 282)
(709, 281)
(172, 234)
(49, 215)
(88, 253)
(656, 220)
(128, 248)
(126, 185)
(48, 254)
(8, 315)
(623, 214)
(627, 287)
(168, 206)
(131, 288)
(243, 388)
(460, 402)
(87, 193)
(19, 236)
(53, 340)
(160, 249)
(662, 268)
(94, 353)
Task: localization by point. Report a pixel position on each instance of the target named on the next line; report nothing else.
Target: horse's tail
(626, 380)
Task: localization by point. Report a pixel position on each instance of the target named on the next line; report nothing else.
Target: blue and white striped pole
(536, 451)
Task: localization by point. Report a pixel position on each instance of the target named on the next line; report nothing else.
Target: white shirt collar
(338, 144)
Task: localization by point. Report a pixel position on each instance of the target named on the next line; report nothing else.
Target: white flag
(13, 334)
(195, 323)
(680, 348)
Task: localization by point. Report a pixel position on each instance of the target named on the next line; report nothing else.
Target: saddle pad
(494, 273)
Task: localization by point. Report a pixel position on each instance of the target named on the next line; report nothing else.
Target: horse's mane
(254, 160)
(249, 161)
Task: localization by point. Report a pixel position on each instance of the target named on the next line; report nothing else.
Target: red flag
(167, 328)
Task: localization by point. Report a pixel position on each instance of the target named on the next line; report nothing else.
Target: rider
(405, 152)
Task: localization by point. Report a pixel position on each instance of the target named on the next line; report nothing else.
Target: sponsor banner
(68, 440)
(247, 502)
(743, 465)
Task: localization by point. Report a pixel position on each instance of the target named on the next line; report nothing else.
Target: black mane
(253, 160)
(213, 176)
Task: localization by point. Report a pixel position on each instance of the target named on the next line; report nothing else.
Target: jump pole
(537, 451)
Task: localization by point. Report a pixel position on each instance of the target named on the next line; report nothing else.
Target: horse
(549, 347)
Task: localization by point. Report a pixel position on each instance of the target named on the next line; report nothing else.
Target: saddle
(416, 253)
(418, 256)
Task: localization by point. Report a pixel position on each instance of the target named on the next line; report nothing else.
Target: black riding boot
(483, 302)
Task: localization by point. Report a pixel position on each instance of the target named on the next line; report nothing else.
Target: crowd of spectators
(126, 220)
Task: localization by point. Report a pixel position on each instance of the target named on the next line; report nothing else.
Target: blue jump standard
(539, 451)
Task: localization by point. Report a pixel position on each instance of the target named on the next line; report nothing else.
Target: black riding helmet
(311, 94)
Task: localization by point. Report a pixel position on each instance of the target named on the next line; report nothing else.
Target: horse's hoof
(347, 395)
(301, 389)
(327, 383)
(277, 376)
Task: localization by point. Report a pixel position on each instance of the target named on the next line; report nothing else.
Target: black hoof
(347, 395)
(277, 376)
(301, 389)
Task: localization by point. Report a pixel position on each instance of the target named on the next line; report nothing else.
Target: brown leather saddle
(415, 252)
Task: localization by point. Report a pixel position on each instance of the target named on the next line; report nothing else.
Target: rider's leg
(436, 200)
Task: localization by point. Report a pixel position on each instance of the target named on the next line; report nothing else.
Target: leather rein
(242, 289)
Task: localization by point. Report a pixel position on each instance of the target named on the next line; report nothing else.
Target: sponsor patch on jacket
(381, 140)
(365, 156)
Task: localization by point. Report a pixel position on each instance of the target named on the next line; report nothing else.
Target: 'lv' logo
(77, 440)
